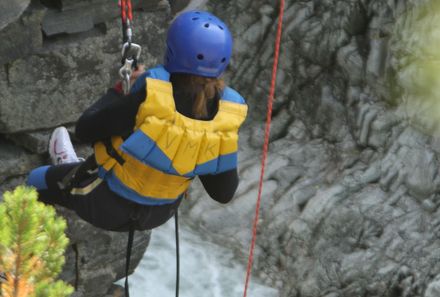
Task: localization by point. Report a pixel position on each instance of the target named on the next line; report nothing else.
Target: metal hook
(125, 73)
(129, 47)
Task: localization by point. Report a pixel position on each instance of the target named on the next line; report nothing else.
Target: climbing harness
(130, 51)
(78, 173)
(266, 143)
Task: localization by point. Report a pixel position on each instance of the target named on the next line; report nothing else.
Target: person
(179, 121)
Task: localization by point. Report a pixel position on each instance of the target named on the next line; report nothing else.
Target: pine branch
(32, 245)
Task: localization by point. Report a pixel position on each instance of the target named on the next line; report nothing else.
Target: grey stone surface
(177, 5)
(70, 21)
(49, 82)
(350, 200)
(36, 142)
(10, 10)
(81, 16)
(98, 255)
(67, 78)
(14, 161)
(433, 288)
(21, 37)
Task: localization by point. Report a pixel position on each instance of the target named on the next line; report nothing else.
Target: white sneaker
(61, 150)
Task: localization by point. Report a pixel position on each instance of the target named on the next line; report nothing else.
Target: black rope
(124, 32)
(127, 260)
(176, 219)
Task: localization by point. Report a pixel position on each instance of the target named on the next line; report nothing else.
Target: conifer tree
(32, 245)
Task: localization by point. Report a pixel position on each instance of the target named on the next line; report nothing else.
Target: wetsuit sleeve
(221, 187)
(113, 114)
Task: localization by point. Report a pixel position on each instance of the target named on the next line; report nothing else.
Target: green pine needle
(32, 245)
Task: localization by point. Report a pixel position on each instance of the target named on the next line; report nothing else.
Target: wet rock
(178, 5)
(377, 57)
(67, 79)
(420, 181)
(10, 183)
(356, 201)
(433, 289)
(47, 84)
(36, 142)
(21, 37)
(351, 62)
(10, 10)
(14, 161)
(70, 21)
(96, 258)
(80, 16)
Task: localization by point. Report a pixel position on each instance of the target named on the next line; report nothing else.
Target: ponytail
(200, 89)
(205, 89)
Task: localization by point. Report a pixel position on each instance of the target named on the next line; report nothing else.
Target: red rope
(266, 143)
(126, 10)
(129, 10)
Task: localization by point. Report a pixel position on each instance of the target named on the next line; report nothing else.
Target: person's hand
(136, 73)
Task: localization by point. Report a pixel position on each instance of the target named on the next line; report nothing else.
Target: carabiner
(125, 73)
(131, 49)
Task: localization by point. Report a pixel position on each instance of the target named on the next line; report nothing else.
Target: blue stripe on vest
(119, 188)
(143, 148)
(158, 72)
(232, 95)
(227, 162)
(221, 164)
(205, 168)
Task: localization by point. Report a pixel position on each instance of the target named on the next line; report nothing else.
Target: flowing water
(207, 269)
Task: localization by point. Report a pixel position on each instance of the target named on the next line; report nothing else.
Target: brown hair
(202, 89)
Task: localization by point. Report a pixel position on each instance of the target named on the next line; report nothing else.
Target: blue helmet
(198, 43)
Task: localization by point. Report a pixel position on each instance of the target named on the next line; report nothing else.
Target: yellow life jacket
(157, 162)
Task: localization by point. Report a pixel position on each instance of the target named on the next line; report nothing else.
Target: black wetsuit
(114, 115)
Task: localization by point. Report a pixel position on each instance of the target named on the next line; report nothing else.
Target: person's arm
(113, 114)
(221, 187)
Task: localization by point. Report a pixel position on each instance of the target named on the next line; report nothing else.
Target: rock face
(98, 257)
(57, 57)
(84, 63)
(11, 10)
(351, 194)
